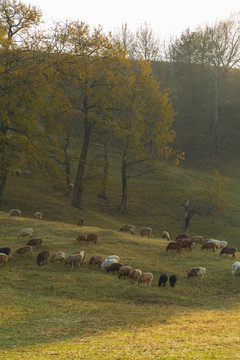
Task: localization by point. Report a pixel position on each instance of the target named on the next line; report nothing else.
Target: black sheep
(162, 280)
(172, 280)
(5, 250)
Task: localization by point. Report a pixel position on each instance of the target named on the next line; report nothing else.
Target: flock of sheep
(112, 263)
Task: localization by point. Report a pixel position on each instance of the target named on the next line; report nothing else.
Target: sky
(168, 18)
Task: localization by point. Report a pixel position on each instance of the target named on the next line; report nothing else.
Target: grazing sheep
(70, 186)
(146, 231)
(3, 258)
(124, 272)
(81, 221)
(217, 242)
(107, 262)
(92, 237)
(82, 253)
(25, 232)
(42, 257)
(209, 246)
(223, 243)
(81, 238)
(114, 267)
(128, 228)
(145, 278)
(95, 260)
(228, 251)
(236, 268)
(38, 215)
(113, 257)
(172, 280)
(162, 280)
(15, 212)
(25, 250)
(6, 250)
(59, 256)
(182, 236)
(166, 236)
(197, 272)
(198, 239)
(174, 246)
(35, 242)
(135, 274)
(186, 244)
(75, 259)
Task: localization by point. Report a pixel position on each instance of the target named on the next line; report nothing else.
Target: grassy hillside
(55, 311)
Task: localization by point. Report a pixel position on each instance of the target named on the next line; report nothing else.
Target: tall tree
(91, 64)
(27, 97)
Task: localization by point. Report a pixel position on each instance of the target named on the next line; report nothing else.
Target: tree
(141, 124)
(212, 199)
(28, 99)
(146, 45)
(91, 64)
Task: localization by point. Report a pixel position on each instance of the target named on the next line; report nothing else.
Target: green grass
(53, 311)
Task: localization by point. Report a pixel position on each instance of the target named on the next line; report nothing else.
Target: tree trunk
(102, 195)
(189, 212)
(3, 180)
(67, 166)
(123, 204)
(78, 186)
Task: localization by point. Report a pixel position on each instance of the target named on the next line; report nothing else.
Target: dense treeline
(68, 89)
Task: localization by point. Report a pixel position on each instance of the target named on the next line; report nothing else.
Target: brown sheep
(95, 260)
(15, 212)
(209, 246)
(81, 221)
(24, 250)
(197, 272)
(81, 238)
(228, 251)
(186, 244)
(82, 253)
(75, 259)
(35, 242)
(42, 257)
(135, 274)
(3, 258)
(174, 246)
(128, 228)
(59, 256)
(124, 272)
(92, 237)
(145, 278)
(114, 267)
(146, 231)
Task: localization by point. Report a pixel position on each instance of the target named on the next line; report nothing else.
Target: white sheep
(146, 231)
(166, 236)
(145, 278)
(236, 268)
(38, 215)
(223, 244)
(25, 232)
(59, 256)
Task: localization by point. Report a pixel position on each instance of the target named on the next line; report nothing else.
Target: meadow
(56, 312)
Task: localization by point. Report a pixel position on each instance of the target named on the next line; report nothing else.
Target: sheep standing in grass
(228, 251)
(92, 238)
(95, 260)
(198, 272)
(198, 239)
(223, 243)
(15, 212)
(42, 257)
(174, 245)
(236, 268)
(74, 259)
(172, 280)
(146, 231)
(128, 228)
(59, 256)
(114, 267)
(38, 215)
(107, 262)
(35, 242)
(162, 280)
(217, 242)
(25, 232)
(124, 272)
(81, 221)
(135, 274)
(209, 246)
(166, 236)
(145, 278)
(81, 238)
(25, 250)
(6, 250)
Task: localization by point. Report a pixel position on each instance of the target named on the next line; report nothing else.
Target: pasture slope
(56, 312)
